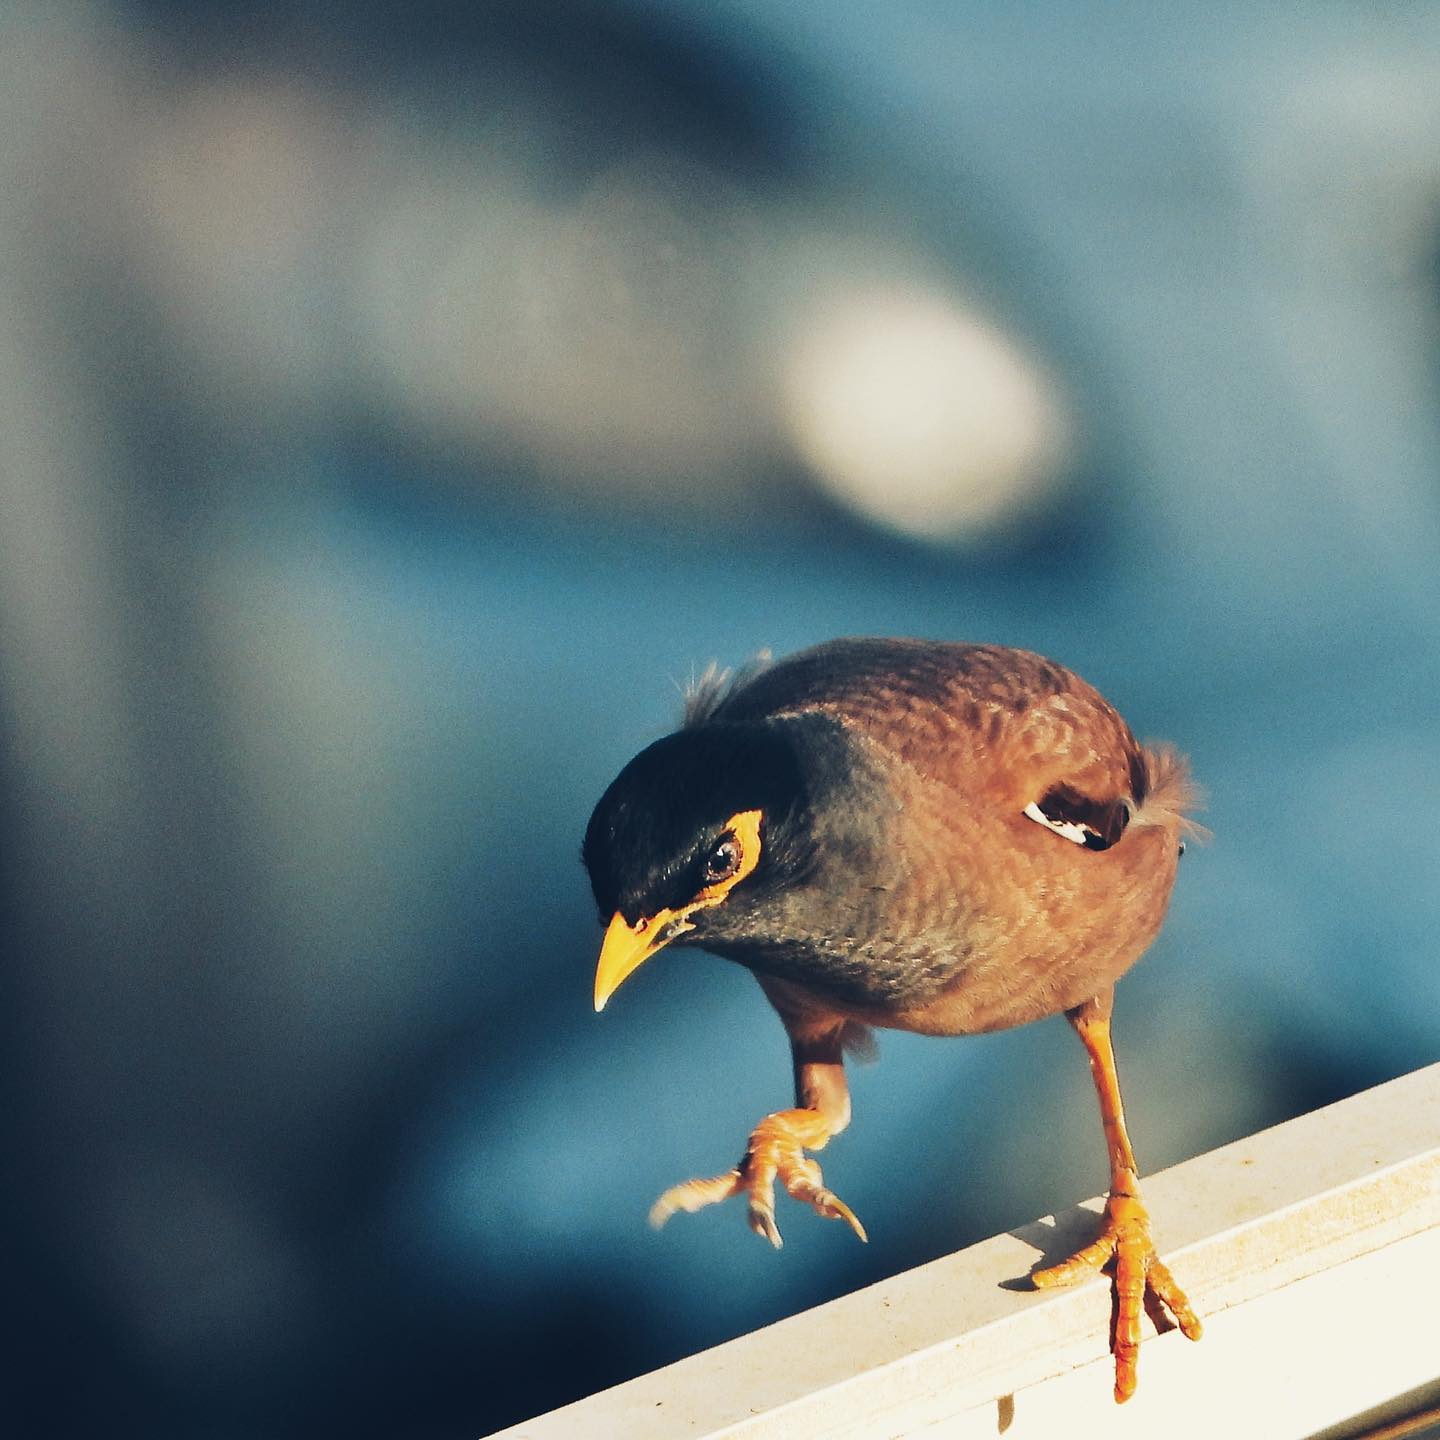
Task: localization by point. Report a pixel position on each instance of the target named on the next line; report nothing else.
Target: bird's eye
(723, 861)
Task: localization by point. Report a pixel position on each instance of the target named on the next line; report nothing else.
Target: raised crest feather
(715, 685)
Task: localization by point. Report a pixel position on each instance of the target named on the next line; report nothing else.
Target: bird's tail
(1170, 793)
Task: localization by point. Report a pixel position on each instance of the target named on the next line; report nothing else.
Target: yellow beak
(627, 947)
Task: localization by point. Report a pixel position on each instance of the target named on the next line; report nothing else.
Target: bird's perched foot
(776, 1151)
(1125, 1237)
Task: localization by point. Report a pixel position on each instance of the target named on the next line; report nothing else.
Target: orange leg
(1125, 1234)
(777, 1150)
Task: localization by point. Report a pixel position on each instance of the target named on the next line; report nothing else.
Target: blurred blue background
(398, 402)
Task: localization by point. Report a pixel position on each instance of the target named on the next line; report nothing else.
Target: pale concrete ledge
(1311, 1252)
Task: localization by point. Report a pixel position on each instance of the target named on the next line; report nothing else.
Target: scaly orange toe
(1125, 1239)
(776, 1152)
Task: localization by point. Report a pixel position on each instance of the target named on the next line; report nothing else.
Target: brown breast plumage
(968, 737)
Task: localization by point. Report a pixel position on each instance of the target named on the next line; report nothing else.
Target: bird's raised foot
(776, 1151)
(1125, 1238)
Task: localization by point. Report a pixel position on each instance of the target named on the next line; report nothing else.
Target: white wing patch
(1072, 830)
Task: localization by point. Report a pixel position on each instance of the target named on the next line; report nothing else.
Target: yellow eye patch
(626, 947)
(745, 829)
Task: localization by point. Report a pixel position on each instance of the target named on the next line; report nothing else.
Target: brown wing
(1004, 724)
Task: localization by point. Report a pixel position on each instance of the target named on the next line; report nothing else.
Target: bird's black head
(708, 820)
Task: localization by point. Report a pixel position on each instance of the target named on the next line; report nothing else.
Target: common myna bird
(941, 838)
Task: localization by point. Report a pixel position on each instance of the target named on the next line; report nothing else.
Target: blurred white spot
(921, 416)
